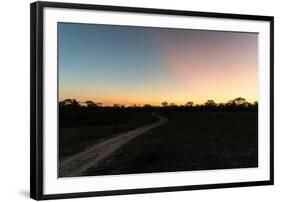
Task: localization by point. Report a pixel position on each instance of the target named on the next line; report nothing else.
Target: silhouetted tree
(91, 104)
(69, 103)
(164, 104)
(237, 102)
(189, 104)
(210, 103)
(221, 105)
(255, 105)
(240, 101)
(117, 105)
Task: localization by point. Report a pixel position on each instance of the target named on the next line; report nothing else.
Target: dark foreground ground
(80, 130)
(189, 141)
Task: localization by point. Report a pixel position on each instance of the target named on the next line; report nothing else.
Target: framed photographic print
(136, 100)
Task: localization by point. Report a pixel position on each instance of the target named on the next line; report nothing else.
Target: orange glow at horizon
(129, 101)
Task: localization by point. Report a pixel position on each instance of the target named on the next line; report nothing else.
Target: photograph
(134, 100)
(141, 99)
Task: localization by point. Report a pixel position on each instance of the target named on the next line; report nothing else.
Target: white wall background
(14, 100)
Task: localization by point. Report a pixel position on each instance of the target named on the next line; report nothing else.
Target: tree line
(237, 103)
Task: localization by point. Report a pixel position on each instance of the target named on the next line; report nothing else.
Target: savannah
(118, 139)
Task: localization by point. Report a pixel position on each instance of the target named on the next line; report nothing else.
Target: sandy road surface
(91, 157)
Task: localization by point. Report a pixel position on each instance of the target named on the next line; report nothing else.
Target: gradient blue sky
(139, 65)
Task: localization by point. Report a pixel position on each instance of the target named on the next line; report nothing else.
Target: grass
(74, 138)
(189, 141)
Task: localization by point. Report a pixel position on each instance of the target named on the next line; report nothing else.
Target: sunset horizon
(156, 103)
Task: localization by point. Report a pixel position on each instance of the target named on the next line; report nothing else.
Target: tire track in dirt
(91, 157)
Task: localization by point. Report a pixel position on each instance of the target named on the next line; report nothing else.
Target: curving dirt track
(91, 157)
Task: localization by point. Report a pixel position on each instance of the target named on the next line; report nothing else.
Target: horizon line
(160, 103)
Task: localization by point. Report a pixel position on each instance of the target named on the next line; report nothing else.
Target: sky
(148, 65)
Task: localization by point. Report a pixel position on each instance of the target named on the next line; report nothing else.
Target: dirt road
(91, 157)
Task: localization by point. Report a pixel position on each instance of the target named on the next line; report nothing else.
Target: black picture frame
(36, 98)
